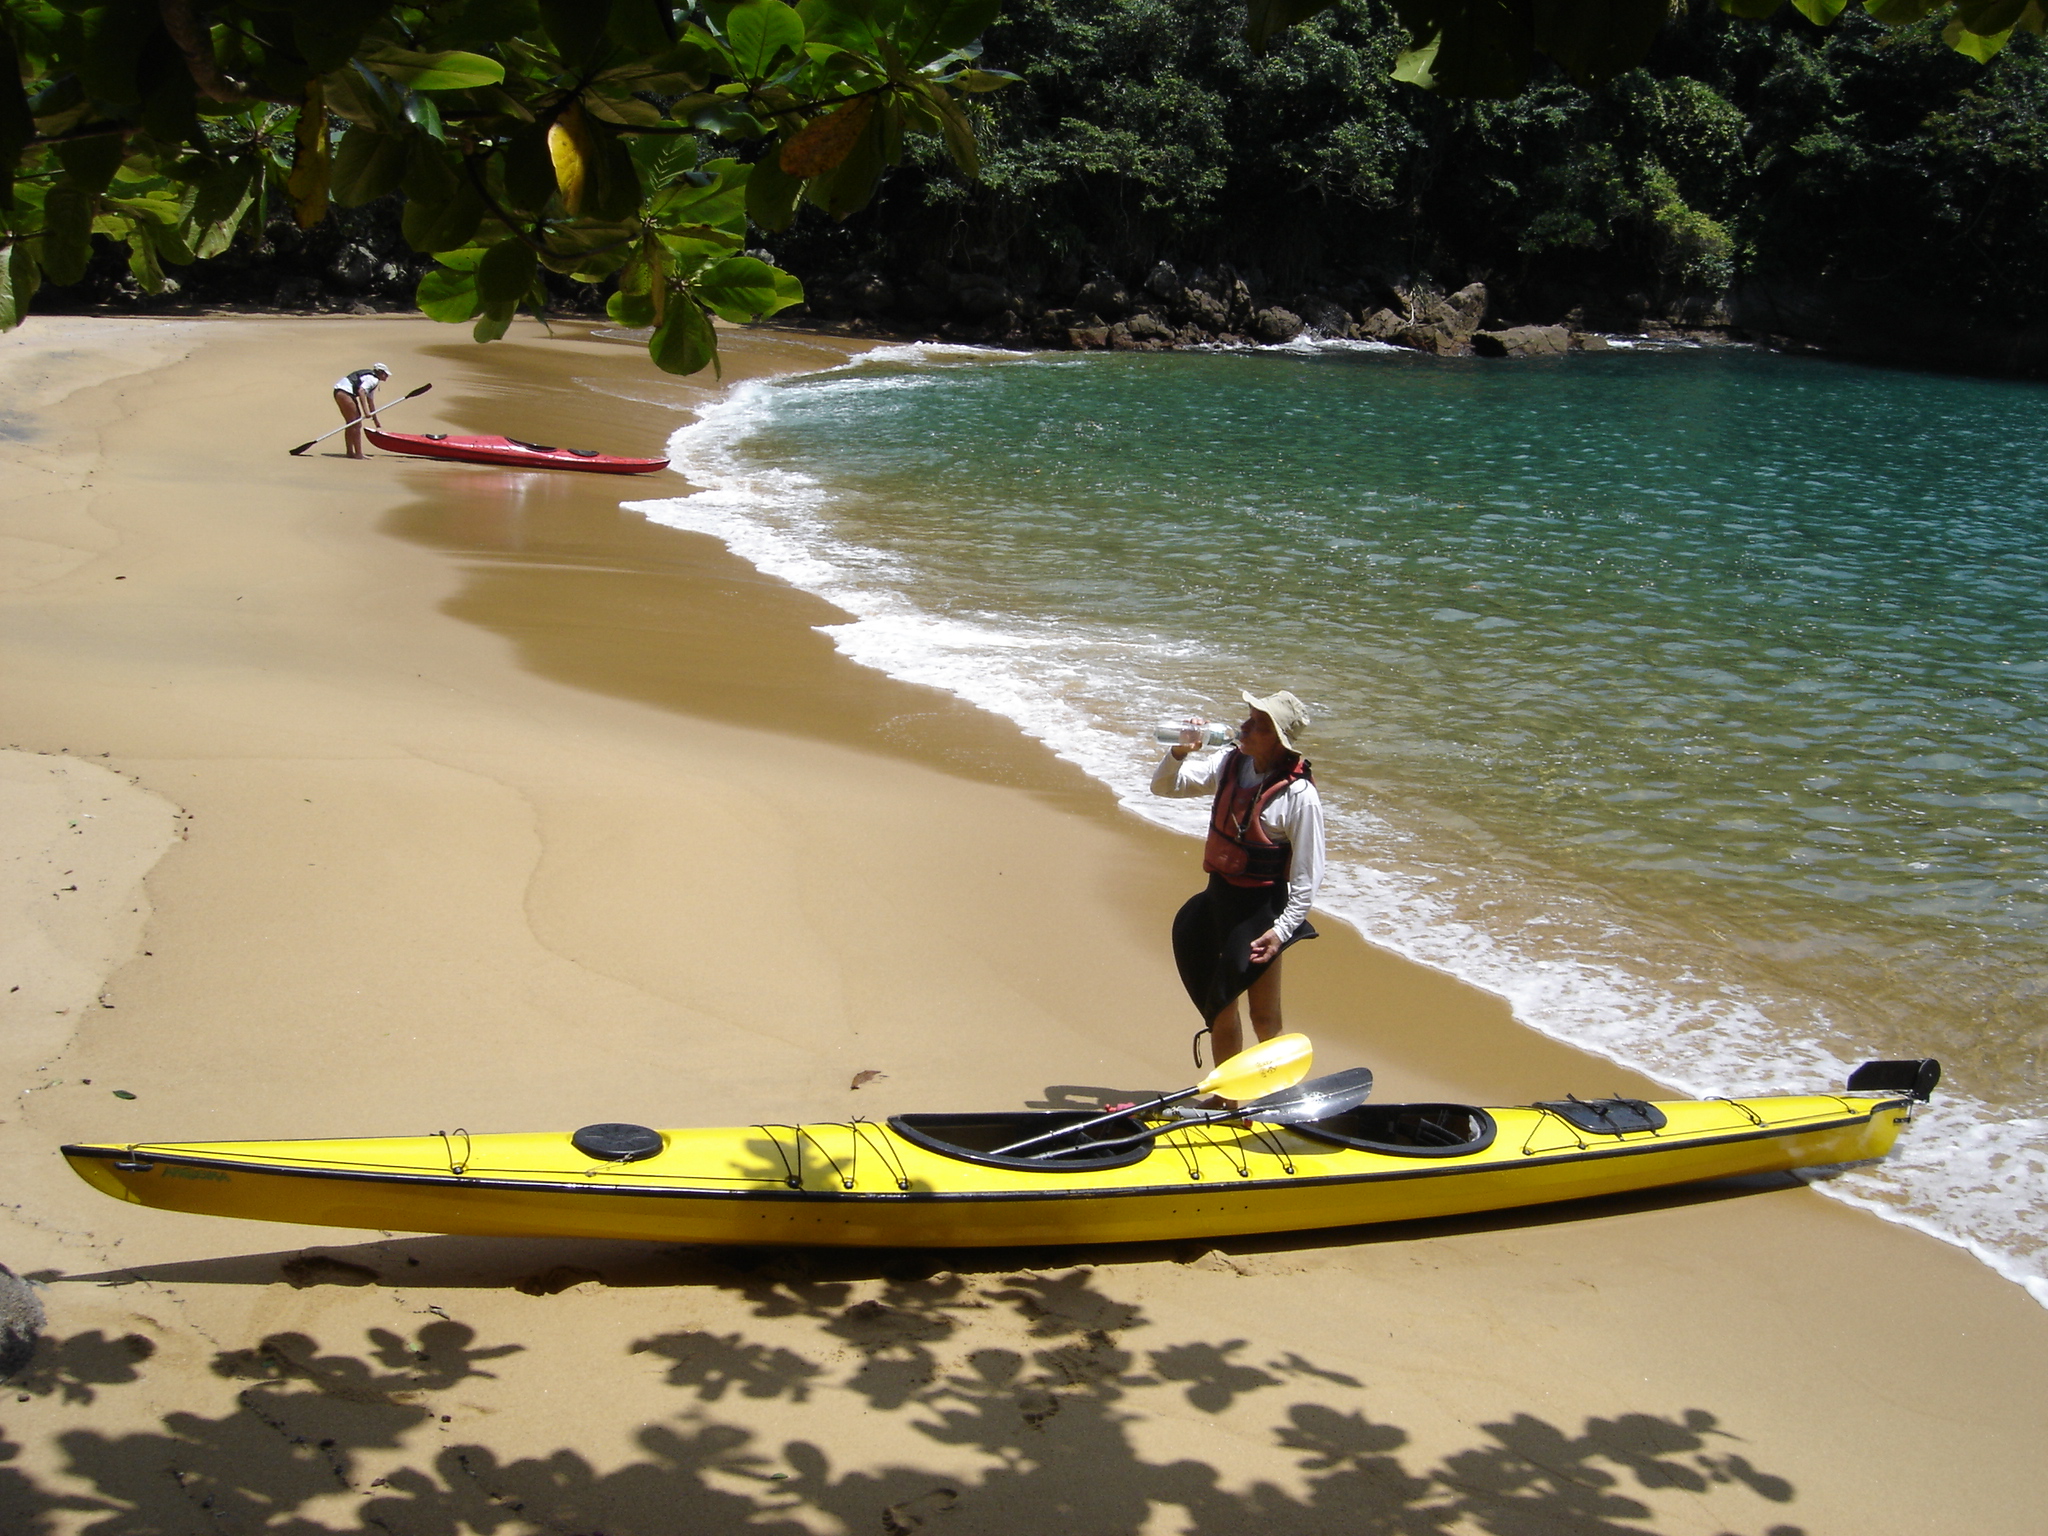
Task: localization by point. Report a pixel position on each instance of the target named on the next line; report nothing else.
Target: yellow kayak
(935, 1180)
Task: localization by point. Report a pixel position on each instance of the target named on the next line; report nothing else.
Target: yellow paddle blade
(1267, 1067)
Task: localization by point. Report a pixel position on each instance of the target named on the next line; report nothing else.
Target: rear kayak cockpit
(974, 1138)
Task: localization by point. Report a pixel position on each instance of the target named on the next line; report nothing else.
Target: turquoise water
(1696, 700)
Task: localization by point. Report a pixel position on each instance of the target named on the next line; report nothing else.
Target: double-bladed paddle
(1312, 1101)
(1273, 1064)
(408, 395)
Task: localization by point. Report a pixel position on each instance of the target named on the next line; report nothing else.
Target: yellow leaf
(570, 148)
(312, 165)
(825, 142)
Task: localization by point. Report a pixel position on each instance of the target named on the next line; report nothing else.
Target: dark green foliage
(1148, 129)
(576, 130)
(563, 136)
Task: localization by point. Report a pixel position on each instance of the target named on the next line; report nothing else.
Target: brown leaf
(824, 142)
(866, 1077)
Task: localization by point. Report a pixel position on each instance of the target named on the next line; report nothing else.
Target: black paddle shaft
(1303, 1105)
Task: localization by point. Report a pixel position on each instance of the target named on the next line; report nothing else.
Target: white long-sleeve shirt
(1294, 816)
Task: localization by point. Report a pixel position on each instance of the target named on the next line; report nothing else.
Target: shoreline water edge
(1971, 1174)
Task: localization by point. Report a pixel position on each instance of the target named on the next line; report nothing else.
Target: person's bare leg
(352, 413)
(1264, 997)
(1226, 1034)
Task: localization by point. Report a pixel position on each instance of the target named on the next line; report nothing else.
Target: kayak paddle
(1312, 1101)
(1280, 1062)
(409, 395)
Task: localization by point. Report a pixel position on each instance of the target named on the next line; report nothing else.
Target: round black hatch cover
(617, 1143)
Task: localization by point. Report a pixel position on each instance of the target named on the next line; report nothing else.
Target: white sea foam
(1967, 1173)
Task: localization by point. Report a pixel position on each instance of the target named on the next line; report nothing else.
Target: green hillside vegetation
(1018, 173)
(1762, 156)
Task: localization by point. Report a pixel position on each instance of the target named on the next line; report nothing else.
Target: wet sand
(401, 795)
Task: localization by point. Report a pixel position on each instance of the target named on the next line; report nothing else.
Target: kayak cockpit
(973, 1138)
(1408, 1130)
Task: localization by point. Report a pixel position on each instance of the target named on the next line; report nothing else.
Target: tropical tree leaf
(311, 163)
(684, 342)
(759, 32)
(824, 143)
(447, 71)
(506, 272)
(450, 297)
(494, 322)
(574, 157)
(18, 283)
(17, 122)
(91, 163)
(444, 222)
(528, 169)
(67, 233)
(933, 27)
(367, 165)
(959, 134)
(742, 289)
(1265, 20)
(772, 193)
(635, 309)
(1988, 18)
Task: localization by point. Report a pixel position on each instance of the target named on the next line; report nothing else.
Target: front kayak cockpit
(1408, 1130)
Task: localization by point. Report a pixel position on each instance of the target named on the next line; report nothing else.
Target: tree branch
(195, 41)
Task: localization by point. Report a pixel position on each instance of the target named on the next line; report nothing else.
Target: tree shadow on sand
(1045, 1385)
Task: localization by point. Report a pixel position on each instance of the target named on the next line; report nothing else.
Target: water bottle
(1213, 734)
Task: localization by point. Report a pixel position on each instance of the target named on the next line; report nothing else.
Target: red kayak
(510, 451)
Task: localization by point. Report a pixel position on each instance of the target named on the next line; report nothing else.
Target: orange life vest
(1238, 848)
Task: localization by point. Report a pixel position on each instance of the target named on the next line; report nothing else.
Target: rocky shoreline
(1172, 309)
(358, 264)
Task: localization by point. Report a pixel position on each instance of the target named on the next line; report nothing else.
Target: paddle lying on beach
(1273, 1064)
(412, 394)
(1312, 1101)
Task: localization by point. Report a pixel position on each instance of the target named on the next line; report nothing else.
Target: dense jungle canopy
(684, 159)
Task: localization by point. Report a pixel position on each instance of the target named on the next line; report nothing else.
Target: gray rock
(981, 298)
(21, 1322)
(1104, 297)
(867, 294)
(1276, 325)
(928, 303)
(1381, 325)
(1237, 300)
(1439, 339)
(1203, 310)
(1146, 326)
(1163, 282)
(1522, 341)
(1324, 317)
(353, 267)
(1590, 341)
(1082, 338)
(1468, 308)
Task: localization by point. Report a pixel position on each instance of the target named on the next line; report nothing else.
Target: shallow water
(1696, 700)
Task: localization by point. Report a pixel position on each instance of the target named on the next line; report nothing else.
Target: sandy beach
(353, 798)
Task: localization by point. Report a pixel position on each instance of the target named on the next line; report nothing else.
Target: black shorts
(1212, 940)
